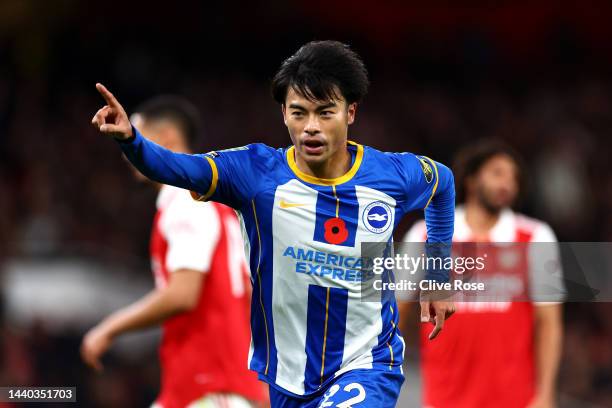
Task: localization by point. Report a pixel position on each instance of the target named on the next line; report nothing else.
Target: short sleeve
(192, 231)
(545, 269)
(236, 174)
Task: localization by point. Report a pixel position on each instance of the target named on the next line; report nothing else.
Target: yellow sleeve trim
(435, 187)
(213, 183)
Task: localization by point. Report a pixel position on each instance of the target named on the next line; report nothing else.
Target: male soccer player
(305, 211)
(201, 294)
(501, 353)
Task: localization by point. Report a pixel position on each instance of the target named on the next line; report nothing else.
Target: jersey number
(360, 397)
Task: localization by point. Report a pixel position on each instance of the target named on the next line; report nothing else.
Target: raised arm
(191, 172)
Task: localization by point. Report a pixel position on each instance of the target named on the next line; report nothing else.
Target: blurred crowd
(64, 189)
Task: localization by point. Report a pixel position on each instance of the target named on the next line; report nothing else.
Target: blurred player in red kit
(495, 354)
(202, 289)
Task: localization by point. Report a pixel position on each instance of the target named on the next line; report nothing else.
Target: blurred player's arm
(548, 292)
(180, 295)
(548, 341)
(192, 231)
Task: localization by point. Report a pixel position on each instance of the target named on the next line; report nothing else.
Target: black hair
(318, 70)
(469, 160)
(175, 109)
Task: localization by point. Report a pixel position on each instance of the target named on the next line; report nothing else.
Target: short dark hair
(175, 109)
(318, 69)
(470, 159)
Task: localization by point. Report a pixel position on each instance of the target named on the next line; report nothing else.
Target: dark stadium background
(74, 225)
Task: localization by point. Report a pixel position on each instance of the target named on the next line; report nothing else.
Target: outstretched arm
(191, 172)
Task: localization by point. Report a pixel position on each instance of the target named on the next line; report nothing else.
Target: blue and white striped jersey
(303, 239)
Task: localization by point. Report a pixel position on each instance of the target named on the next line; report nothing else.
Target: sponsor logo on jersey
(330, 265)
(377, 217)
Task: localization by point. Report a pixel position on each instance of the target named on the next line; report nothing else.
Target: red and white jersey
(485, 355)
(205, 350)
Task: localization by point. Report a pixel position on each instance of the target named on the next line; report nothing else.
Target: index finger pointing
(108, 97)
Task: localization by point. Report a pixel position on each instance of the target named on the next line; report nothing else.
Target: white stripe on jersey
(290, 289)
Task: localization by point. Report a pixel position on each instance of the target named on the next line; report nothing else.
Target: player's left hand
(94, 345)
(435, 311)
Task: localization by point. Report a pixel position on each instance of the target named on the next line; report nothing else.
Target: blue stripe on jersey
(388, 352)
(332, 202)
(258, 219)
(325, 330)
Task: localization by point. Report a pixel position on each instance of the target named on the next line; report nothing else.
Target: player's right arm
(231, 177)
(192, 172)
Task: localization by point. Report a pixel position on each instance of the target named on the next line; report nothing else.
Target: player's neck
(336, 166)
(480, 220)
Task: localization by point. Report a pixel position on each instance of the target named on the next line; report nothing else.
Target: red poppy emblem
(335, 231)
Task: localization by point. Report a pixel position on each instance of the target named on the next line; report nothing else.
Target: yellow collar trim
(322, 181)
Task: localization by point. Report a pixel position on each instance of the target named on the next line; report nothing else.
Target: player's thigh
(364, 389)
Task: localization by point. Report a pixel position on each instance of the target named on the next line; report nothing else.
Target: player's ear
(351, 111)
(284, 110)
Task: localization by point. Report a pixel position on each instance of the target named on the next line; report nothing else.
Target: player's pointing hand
(111, 119)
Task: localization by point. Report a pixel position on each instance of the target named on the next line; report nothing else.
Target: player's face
(318, 129)
(496, 184)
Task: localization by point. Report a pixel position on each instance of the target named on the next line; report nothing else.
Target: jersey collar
(323, 181)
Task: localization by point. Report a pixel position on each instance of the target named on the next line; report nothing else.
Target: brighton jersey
(303, 239)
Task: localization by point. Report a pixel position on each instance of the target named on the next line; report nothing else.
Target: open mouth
(313, 146)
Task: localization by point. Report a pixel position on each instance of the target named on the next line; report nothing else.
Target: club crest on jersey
(427, 170)
(377, 217)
